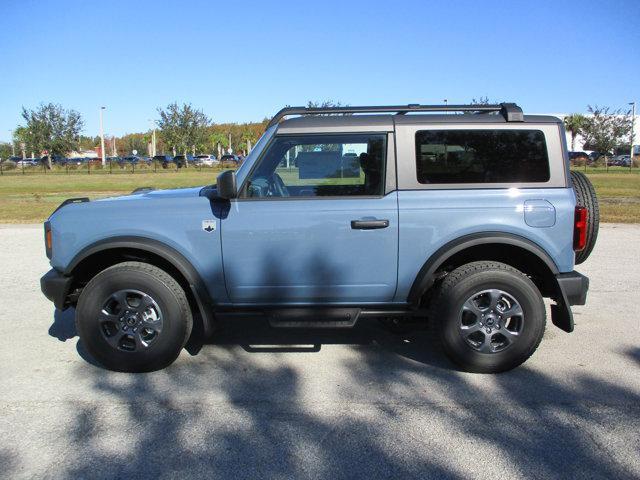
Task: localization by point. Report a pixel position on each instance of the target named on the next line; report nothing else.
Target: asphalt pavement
(363, 403)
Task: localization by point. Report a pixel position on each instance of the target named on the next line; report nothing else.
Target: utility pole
(230, 150)
(633, 119)
(102, 151)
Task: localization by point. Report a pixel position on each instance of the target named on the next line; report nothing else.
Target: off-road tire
(474, 277)
(586, 197)
(167, 293)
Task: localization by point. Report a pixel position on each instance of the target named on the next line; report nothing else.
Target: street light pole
(633, 119)
(102, 151)
(13, 145)
(153, 138)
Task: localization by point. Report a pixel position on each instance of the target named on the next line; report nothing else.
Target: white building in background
(579, 142)
(83, 154)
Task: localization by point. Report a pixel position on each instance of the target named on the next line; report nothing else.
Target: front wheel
(490, 317)
(133, 317)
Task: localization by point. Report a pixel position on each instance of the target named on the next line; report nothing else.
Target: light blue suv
(465, 215)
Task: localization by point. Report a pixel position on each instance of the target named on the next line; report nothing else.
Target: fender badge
(209, 225)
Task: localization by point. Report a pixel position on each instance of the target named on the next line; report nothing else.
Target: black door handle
(369, 224)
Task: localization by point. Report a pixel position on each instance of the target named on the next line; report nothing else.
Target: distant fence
(96, 168)
(600, 165)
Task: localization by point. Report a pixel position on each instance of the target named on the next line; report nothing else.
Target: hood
(157, 194)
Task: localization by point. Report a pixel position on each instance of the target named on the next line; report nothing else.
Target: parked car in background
(595, 156)
(622, 161)
(206, 160)
(131, 159)
(55, 160)
(230, 159)
(27, 162)
(180, 160)
(164, 160)
(579, 157)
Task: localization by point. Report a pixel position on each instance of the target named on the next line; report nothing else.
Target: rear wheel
(133, 317)
(586, 197)
(490, 317)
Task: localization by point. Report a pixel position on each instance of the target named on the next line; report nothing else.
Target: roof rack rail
(510, 111)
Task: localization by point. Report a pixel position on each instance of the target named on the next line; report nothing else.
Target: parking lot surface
(362, 403)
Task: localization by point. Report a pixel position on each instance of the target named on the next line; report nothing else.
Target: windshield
(254, 154)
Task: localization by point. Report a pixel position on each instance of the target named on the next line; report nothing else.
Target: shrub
(600, 162)
(8, 165)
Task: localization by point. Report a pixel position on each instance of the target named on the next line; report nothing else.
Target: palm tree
(220, 140)
(574, 123)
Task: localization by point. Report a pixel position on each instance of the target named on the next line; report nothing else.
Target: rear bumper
(574, 285)
(55, 287)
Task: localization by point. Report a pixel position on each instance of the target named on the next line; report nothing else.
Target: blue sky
(242, 61)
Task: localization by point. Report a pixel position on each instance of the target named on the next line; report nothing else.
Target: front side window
(319, 166)
(481, 156)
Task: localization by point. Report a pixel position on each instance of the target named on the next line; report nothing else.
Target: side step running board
(313, 318)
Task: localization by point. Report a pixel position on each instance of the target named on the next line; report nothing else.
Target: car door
(314, 223)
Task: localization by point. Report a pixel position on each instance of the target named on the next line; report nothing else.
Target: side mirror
(227, 187)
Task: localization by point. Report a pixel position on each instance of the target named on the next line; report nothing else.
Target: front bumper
(574, 285)
(55, 287)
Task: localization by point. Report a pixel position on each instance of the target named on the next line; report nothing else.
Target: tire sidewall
(586, 196)
(161, 352)
(524, 292)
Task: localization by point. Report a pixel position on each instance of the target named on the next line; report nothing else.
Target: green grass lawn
(618, 194)
(32, 197)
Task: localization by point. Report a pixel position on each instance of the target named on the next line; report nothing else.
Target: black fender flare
(175, 258)
(425, 277)
(562, 317)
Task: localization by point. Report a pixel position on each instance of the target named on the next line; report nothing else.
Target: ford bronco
(465, 215)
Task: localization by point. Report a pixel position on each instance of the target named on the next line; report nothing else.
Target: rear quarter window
(481, 156)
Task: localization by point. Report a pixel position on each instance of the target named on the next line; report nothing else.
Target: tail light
(48, 241)
(580, 229)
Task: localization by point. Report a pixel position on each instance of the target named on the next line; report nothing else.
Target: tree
(219, 140)
(481, 101)
(326, 104)
(130, 142)
(574, 123)
(604, 129)
(6, 150)
(183, 128)
(248, 139)
(85, 142)
(50, 127)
